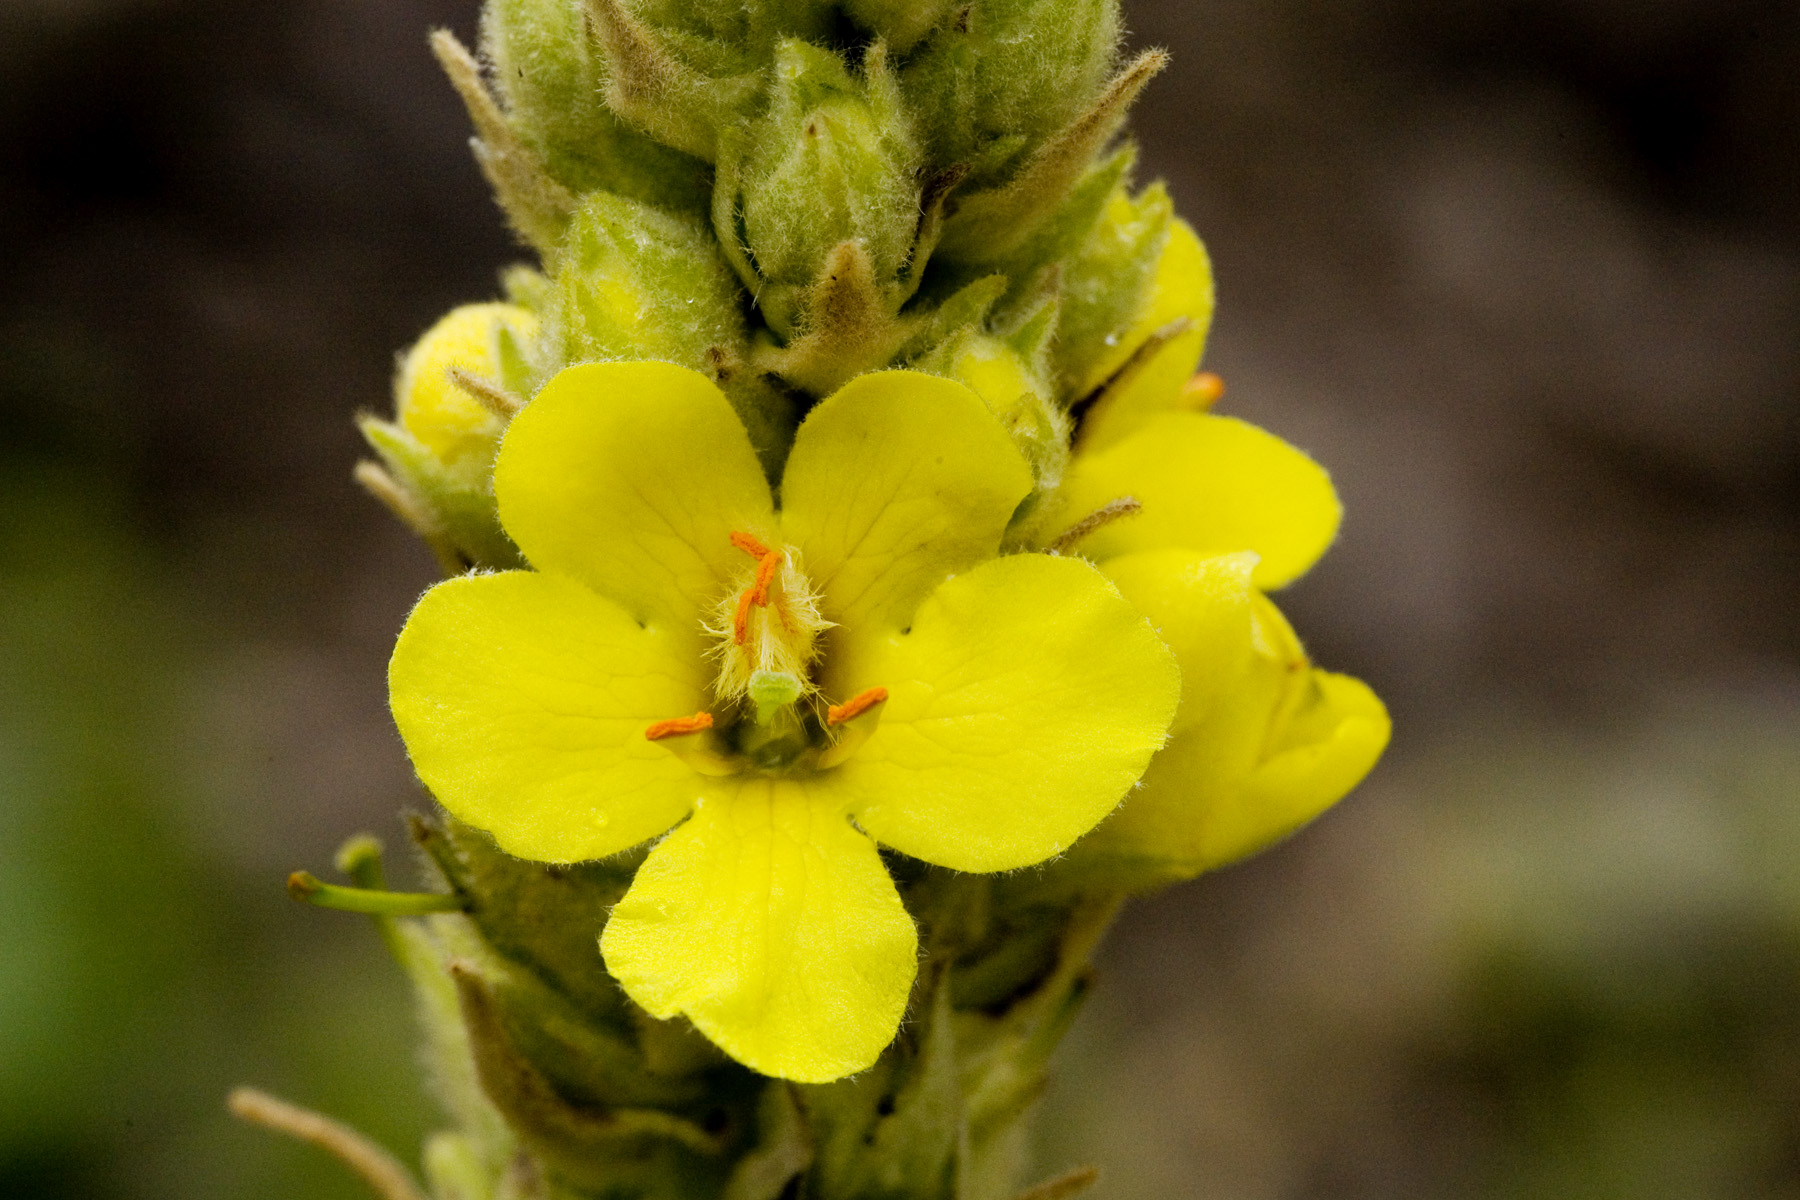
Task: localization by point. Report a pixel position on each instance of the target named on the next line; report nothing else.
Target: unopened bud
(637, 283)
(832, 161)
(1108, 286)
(900, 23)
(548, 70)
(1019, 394)
(477, 344)
(679, 88)
(999, 77)
(454, 392)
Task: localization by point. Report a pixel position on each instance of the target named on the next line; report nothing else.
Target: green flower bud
(832, 161)
(684, 73)
(990, 226)
(900, 23)
(749, 28)
(1002, 76)
(633, 282)
(1106, 284)
(547, 68)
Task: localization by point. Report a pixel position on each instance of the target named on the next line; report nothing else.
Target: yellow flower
(1263, 741)
(785, 688)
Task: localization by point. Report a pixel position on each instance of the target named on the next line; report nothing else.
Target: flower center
(768, 630)
(768, 712)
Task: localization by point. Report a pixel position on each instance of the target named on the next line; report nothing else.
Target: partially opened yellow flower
(1263, 741)
(784, 687)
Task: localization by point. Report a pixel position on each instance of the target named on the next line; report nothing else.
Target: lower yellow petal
(1202, 606)
(1263, 744)
(1200, 808)
(1213, 484)
(1026, 698)
(523, 700)
(771, 924)
(1346, 730)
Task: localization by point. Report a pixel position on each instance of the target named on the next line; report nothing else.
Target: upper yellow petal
(523, 700)
(631, 477)
(1212, 484)
(770, 923)
(895, 482)
(1024, 700)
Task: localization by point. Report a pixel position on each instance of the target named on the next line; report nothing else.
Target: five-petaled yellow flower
(784, 687)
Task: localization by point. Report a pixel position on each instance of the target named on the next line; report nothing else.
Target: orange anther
(749, 545)
(740, 621)
(677, 726)
(765, 571)
(856, 706)
(1202, 391)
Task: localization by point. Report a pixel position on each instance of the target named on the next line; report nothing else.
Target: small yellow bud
(450, 419)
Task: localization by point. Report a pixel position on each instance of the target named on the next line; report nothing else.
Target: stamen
(765, 571)
(749, 545)
(856, 706)
(677, 726)
(1106, 514)
(740, 621)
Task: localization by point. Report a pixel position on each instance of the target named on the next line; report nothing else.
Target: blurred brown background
(1525, 275)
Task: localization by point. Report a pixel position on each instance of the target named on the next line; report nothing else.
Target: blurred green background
(1524, 273)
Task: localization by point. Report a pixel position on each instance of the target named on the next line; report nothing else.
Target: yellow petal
(1270, 746)
(1330, 746)
(897, 481)
(1023, 702)
(452, 423)
(1191, 815)
(631, 477)
(523, 700)
(1201, 606)
(1142, 389)
(1212, 484)
(772, 924)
